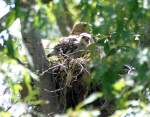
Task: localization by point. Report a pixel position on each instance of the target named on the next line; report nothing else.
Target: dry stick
(54, 91)
(57, 90)
(77, 52)
(51, 68)
(83, 68)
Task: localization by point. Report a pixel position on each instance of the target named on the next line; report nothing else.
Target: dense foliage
(121, 27)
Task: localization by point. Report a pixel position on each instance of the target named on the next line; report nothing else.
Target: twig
(50, 69)
(54, 91)
(77, 52)
(83, 68)
(20, 62)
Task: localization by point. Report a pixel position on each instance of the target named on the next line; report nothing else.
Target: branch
(63, 17)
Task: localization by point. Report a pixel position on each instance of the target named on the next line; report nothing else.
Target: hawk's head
(86, 39)
(80, 27)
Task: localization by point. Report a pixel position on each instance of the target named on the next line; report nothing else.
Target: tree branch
(63, 17)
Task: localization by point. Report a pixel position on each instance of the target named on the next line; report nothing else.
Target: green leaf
(11, 52)
(10, 18)
(5, 114)
(119, 85)
(90, 99)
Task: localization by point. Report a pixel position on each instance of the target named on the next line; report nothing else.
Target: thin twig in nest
(77, 52)
(55, 91)
(51, 69)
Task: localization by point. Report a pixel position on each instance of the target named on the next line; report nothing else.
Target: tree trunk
(33, 43)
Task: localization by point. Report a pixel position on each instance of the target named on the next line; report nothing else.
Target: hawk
(74, 44)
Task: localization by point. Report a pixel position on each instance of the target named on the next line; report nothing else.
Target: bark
(33, 43)
(63, 17)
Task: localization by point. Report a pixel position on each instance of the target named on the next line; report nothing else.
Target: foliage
(121, 27)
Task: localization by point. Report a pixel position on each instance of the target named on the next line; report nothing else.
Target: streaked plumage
(72, 45)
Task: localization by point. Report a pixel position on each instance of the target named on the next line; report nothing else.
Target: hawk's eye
(86, 39)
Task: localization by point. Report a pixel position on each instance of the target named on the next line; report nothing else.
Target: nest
(71, 76)
(69, 66)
